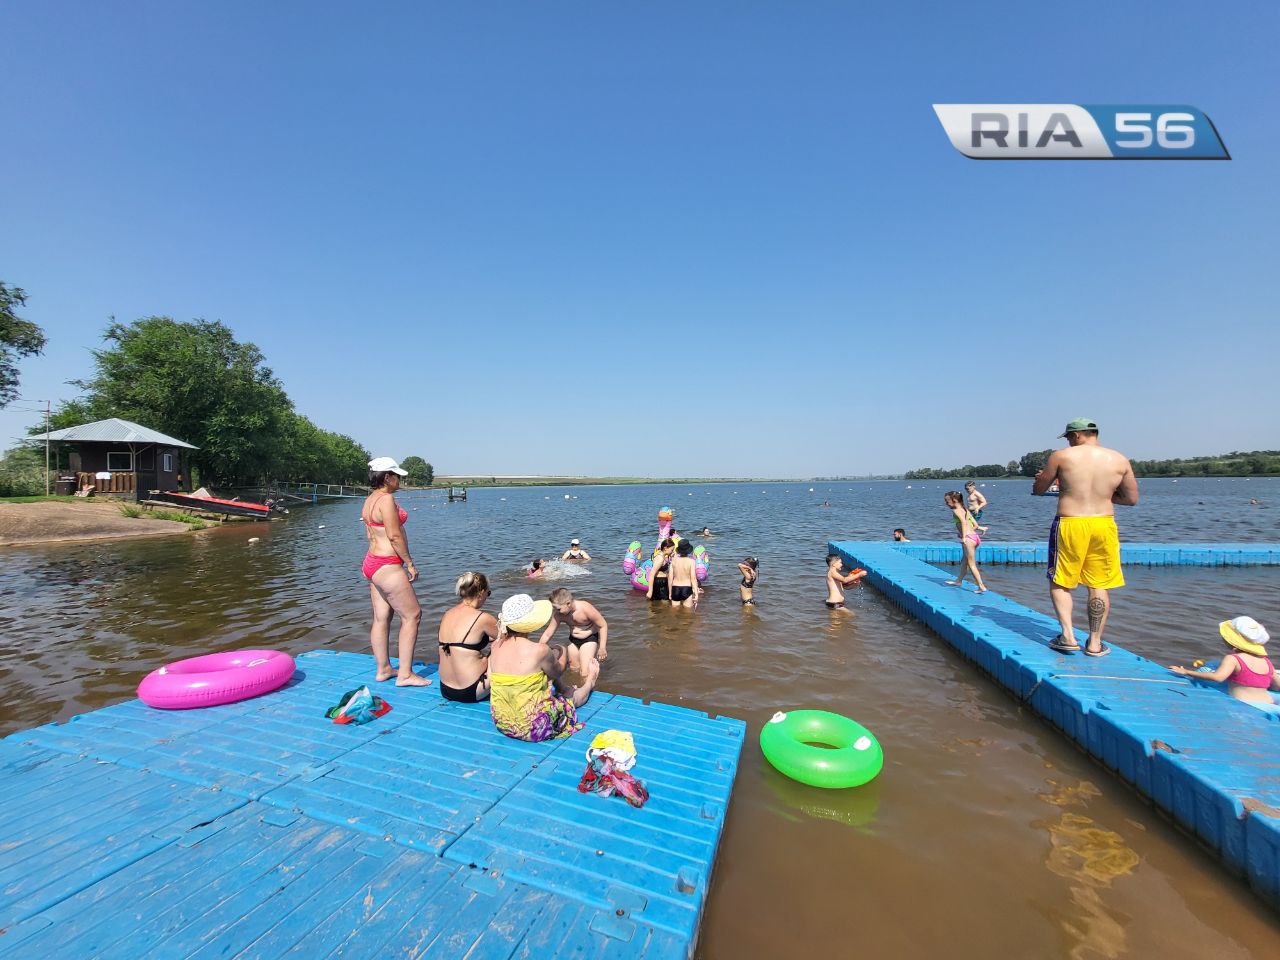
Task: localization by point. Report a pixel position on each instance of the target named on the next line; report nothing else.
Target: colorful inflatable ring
(215, 679)
(788, 739)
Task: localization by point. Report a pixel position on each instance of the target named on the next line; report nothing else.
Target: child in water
(1247, 669)
(537, 569)
(837, 580)
(750, 570)
(685, 591)
(968, 531)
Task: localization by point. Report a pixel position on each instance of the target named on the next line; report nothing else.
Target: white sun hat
(523, 614)
(1245, 633)
(386, 465)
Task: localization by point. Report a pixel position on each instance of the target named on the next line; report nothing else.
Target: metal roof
(113, 430)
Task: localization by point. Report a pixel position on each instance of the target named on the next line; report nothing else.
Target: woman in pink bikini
(969, 532)
(390, 572)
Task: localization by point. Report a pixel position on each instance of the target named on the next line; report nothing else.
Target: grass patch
(190, 519)
(40, 498)
(194, 522)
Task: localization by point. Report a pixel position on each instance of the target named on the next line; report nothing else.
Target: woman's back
(517, 656)
(466, 631)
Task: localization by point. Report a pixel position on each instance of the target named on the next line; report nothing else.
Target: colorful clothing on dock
(526, 708)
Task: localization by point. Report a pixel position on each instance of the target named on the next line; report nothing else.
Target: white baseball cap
(386, 465)
(573, 542)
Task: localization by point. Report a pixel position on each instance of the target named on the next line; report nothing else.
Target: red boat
(232, 508)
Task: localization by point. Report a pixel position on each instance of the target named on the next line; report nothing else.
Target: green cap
(1078, 424)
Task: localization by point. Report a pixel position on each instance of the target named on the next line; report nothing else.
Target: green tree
(1033, 462)
(1012, 468)
(196, 382)
(420, 472)
(18, 338)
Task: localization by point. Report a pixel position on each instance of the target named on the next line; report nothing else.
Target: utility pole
(46, 449)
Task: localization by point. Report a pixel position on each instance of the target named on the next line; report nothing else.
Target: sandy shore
(55, 521)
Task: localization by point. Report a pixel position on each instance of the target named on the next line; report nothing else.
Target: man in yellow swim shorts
(1084, 545)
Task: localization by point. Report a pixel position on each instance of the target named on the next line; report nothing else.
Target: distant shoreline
(497, 482)
(505, 482)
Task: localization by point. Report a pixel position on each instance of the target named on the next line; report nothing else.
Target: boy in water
(588, 629)
(837, 580)
(750, 570)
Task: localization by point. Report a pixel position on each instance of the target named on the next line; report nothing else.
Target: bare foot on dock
(386, 673)
(412, 680)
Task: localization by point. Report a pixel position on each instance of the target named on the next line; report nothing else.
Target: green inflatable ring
(851, 757)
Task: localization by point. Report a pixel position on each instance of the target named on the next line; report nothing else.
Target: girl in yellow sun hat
(1247, 669)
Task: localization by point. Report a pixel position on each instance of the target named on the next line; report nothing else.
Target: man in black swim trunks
(588, 629)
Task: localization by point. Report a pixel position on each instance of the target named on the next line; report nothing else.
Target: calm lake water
(987, 835)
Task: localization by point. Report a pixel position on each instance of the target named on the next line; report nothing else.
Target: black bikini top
(479, 645)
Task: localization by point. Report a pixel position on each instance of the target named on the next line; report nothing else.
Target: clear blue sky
(663, 238)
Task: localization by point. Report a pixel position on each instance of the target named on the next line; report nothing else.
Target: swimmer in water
(660, 577)
(706, 531)
(750, 570)
(575, 553)
(837, 580)
(537, 569)
(588, 629)
(1246, 668)
(900, 535)
(977, 502)
(685, 591)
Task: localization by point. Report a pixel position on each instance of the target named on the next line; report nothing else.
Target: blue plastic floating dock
(260, 829)
(1210, 762)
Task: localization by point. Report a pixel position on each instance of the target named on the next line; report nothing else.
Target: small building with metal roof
(121, 458)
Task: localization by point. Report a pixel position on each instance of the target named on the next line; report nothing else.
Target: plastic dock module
(1211, 763)
(261, 829)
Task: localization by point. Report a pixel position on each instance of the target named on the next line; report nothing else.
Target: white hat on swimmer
(387, 465)
(573, 542)
(1245, 633)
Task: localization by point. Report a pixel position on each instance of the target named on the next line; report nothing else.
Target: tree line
(1235, 464)
(194, 381)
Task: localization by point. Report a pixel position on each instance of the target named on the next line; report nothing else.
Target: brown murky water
(987, 834)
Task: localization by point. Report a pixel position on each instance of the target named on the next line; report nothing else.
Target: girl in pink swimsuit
(390, 572)
(968, 531)
(1249, 673)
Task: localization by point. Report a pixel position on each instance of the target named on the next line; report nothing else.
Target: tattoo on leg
(1097, 610)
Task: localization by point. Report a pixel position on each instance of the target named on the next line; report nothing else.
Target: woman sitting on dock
(526, 698)
(390, 572)
(466, 631)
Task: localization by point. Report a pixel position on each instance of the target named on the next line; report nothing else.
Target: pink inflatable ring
(215, 679)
